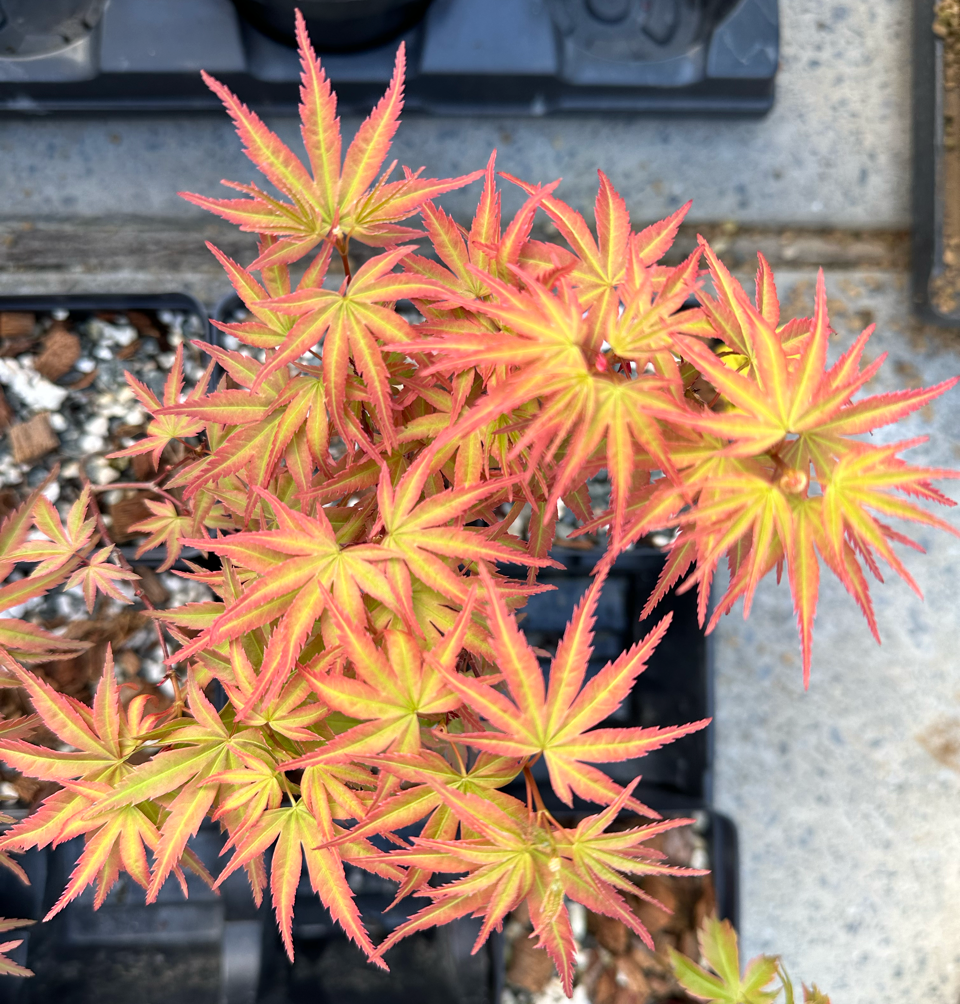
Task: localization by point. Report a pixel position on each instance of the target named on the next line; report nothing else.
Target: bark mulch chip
(33, 439)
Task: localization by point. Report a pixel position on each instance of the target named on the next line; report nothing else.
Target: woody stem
(532, 789)
(342, 250)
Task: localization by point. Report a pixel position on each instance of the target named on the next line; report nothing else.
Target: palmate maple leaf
(165, 527)
(393, 688)
(558, 722)
(292, 563)
(719, 949)
(269, 329)
(484, 249)
(65, 544)
(420, 533)
(103, 739)
(291, 714)
(519, 856)
(427, 770)
(204, 747)
(21, 640)
(604, 263)
(250, 434)
(350, 321)
(305, 828)
(337, 202)
(796, 397)
(62, 542)
(99, 574)
(164, 428)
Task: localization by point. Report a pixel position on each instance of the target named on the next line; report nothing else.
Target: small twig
(198, 450)
(286, 784)
(139, 590)
(533, 790)
(456, 753)
(342, 248)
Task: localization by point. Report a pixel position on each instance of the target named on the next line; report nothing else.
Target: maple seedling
(722, 982)
(354, 479)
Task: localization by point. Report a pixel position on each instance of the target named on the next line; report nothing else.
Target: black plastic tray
(518, 57)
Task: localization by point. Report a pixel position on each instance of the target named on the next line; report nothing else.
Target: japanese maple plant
(356, 478)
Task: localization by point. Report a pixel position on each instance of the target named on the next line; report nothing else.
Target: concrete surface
(834, 151)
(847, 797)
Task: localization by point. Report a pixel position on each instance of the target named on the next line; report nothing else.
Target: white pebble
(699, 858)
(60, 314)
(135, 416)
(10, 473)
(84, 365)
(57, 422)
(71, 470)
(102, 352)
(112, 498)
(125, 394)
(152, 670)
(111, 334)
(125, 334)
(91, 444)
(165, 359)
(101, 473)
(98, 426)
(34, 390)
(52, 492)
(68, 605)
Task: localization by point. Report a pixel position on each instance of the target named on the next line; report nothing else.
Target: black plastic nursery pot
(334, 25)
(65, 399)
(222, 947)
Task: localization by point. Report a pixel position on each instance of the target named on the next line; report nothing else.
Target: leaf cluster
(355, 477)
